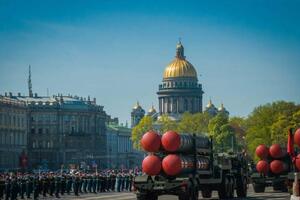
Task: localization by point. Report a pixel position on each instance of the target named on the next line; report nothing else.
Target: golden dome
(210, 104)
(221, 108)
(136, 106)
(152, 110)
(180, 67)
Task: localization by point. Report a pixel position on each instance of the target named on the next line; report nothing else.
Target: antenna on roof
(29, 83)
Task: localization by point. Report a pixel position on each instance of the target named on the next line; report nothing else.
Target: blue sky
(246, 53)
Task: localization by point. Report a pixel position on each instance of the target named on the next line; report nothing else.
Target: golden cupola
(180, 67)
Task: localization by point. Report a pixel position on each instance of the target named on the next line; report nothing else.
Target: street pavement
(268, 195)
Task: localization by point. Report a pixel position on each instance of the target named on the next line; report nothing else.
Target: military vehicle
(185, 164)
(273, 169)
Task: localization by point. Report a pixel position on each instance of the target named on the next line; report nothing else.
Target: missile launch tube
(174, 164)
(173, 142)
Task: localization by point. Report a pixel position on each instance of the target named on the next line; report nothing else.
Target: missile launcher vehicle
(273, 169)
(185, 164)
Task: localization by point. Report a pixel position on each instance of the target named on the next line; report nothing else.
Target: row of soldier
(33, 186)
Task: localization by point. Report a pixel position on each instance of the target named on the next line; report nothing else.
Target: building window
(33, 131)
(186, 106)
(14, 121)
(40, 130)
(47, 130)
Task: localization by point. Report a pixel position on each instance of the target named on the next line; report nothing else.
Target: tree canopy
(267, 124)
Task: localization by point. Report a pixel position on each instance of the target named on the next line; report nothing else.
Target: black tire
(231, 188)
(190, 194)
(241, 187)
(280, 186)
(258, 188)
(206, 193)
(146, 196)
(224, 188)
(141, 196)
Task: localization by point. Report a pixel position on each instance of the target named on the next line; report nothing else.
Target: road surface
(268, 195)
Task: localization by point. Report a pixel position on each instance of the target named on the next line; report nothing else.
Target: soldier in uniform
(130, 180)
(7, 188)
(68, 184)
(36, 187)
(29, 186)
(57, 185)
(94, 183)
(22, 182)
(84, 183)
(63, 185)
(98, 183)
(51, 184)
(2, 186)
(45, 185)
(113, 180)
(14, 188)
(118, 181)
(89, 183)
(76, 184)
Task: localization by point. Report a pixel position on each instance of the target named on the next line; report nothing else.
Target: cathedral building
(178, 93)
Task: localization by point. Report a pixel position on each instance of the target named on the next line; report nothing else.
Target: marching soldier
(14, 188)
(29, 186)
(130, 181)
(2, 186)
(84, 183)
(7, 188)
(52, 184)
(76, 184)
(45, 185)
(69, 184)
(22, 182)
(89, 183)
(36, 187)
(118, 181)
(57, 186)
(63, 185)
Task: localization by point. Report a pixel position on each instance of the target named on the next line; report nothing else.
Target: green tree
(139, 130)
(219, 130)
(167, 124)
(239, 126)
(202, 121)
(186, 124)
(194, 123)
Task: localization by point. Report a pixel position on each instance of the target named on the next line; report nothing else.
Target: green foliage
(145, 125)
(267, 124)
(222, 133)
(167, 124)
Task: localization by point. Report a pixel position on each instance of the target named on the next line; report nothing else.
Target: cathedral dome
(152, 110)
(137, 106)
(180, 67)
(210, 104)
